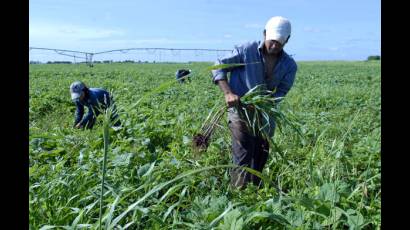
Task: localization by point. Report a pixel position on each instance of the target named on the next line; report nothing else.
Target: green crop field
(327, 179)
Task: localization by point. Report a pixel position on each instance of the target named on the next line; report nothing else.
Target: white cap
(278, 28)
(76, 89)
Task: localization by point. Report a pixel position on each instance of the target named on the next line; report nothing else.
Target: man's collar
(261, 45)
(261, 49)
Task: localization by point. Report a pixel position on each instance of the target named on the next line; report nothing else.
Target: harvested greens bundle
(257, 108)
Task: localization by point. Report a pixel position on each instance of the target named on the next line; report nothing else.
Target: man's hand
(231, 99)
(251, 107)
(77, 126)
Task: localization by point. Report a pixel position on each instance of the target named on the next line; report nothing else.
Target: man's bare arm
(231, 99)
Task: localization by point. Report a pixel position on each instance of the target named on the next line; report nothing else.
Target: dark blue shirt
(243, 79)
(96, 98)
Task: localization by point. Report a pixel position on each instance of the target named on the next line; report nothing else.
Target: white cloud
(160, 41)
(90, 39)
(68, 32)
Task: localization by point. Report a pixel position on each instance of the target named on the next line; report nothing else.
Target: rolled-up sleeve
(233, 58)
(286, 83)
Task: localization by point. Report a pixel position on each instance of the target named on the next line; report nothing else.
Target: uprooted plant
(257, 108)
(201, 139)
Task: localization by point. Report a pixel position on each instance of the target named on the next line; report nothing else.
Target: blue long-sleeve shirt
(97, 97)
(243, 79)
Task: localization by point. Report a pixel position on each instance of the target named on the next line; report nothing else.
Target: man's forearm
(79, 113)
(231, 99)
(224, 86)
(78, 119)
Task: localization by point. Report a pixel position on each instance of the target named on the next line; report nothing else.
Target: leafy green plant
(332, 181)
(229, 66)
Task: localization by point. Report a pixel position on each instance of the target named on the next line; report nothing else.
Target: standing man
(95, 99)
(268, 64)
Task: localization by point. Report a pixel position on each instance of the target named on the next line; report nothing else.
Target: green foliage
(229, 66)
(153, 179)
(225, 66)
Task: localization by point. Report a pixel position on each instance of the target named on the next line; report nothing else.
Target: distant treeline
(374, 57)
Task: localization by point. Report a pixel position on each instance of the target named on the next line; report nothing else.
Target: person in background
(95, 99)
(269, 65)
(181, 75)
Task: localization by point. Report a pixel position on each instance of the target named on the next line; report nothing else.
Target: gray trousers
(247, 150)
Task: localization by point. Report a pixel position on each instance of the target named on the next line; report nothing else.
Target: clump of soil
(200, 142)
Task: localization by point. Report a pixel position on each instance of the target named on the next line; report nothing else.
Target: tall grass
(229, 66)
(107, 122)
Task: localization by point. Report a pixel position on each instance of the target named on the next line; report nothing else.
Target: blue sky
(321, 29)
